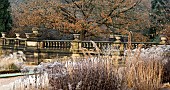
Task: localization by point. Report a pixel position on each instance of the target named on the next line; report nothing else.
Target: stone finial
(117, 38)
(17, 35)
(3, 34)
(163, 40)
(76, 36)
(28, 35)
(35, 31)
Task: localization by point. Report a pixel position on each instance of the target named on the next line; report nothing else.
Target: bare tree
(88, 17)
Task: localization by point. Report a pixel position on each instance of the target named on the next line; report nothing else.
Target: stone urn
(111, 36)
(35, 31)
(17, 35)
(3, 34)
(118, 37)
(28, 35)
(76, 36)
(163, 40)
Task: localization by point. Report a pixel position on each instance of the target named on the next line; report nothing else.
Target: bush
(12, 61)
(102, 74)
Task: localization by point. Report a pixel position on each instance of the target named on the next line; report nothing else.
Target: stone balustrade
(65, 46)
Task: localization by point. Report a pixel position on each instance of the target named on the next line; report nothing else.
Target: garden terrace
(38, 49)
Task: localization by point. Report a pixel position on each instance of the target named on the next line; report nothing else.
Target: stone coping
(15, 74)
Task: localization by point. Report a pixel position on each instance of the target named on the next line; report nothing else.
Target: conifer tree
(5, 17)
(159, 15)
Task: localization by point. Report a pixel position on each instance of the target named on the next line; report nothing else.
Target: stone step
(27, 56)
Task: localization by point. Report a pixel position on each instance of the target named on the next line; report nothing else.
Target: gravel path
(5, 81)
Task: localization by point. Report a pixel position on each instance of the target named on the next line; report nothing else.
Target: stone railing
(74, 47)
(25, 43)
(13, 43)
(55, 44)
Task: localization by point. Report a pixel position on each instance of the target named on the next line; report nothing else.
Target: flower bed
(11, 63)
(144, 70)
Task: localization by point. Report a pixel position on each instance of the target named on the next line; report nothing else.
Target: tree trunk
(82, 34)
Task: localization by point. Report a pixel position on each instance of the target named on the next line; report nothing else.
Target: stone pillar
(17, 41)
(3, 41)
(33, 44)
(3, 38)
(119, 46)
(75, 46)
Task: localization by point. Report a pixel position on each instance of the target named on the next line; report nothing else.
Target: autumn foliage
(88, 17)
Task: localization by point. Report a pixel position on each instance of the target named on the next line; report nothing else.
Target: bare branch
(79, 7)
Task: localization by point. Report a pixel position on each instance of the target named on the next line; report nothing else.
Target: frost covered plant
(159, 53)
(144, 75)
(156, 53)
(89, 74)
(32, 82)
(12, 61)
(148, 66)
(95, 74)
(110, 50)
